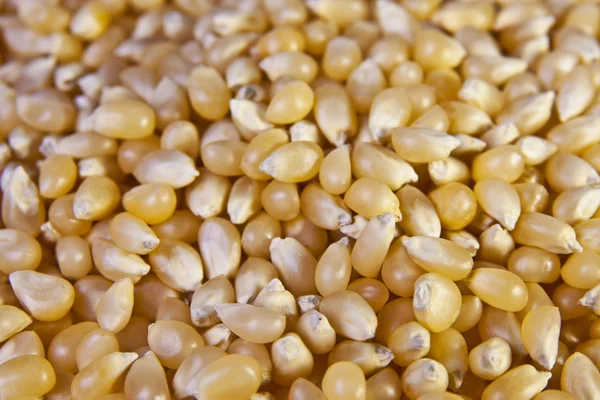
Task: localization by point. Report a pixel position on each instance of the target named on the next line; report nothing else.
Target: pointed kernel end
(267, 166)
(574, 247)
(151, 243)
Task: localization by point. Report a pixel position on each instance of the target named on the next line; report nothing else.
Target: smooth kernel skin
(132, 234)
(450, 348)
(19, 251)
(259, 148)
(546, 232)
(522, 382)
(254, 274)
(335, 174)
(15, 320)
(208, 93)
(183, 381)
(456, 205)
(350, 315)
(439, 255)
(293, 162)
(372, 245)
(96, 198)
(499, 288)
(153, 203)
(534, 265)
(234, 376)
(255, 324)
(146, 379)
(582, 270)
(291, 104)
(344, 380)
(125, 119)
(540, 331)
(295, 265)
(369, 197)
(22, 344)
(434, 49)
(303, 389)
(173, 341)
(115, 306)
(26, 377)
(46, 297)
(58, 174)
(95, 345)
(399, 272)
(166, 166)
(422, 145)
(63, 347)
(220, 247)
(98, 378)
(178, 265)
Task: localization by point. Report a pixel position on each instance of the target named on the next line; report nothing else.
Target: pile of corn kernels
(300, 199)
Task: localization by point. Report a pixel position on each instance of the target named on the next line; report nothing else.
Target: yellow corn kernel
(499, 288)
(490, 359)
(96, 198)
(259, 148)
(250, 322)
(46, 297)
(334, 113)
(439, 255)
(220, 247)
(540, 331)
(95, 345)
(21, 203)
(409, 342)
(15, 321)
(250, 116)
(504, 162)
(296, 65)
(349, 314)
(372, 245)
(378, 162)
(370, 197)
(332, 272)
(335, 174)
(293, 162)
(98, 378)
(546, 232)
(424, 376)
(566, 171)
(244, 199)
(342, 55)
(215, 291)
(344, 380)
(470, 313)
(456, 205)
(434, 49)
(580, 378)
(529, 113)
(450, 348)
(420, 145)
(115, 306)
(125, 119)
(27, 376)
(19, 251)
(437, 302)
